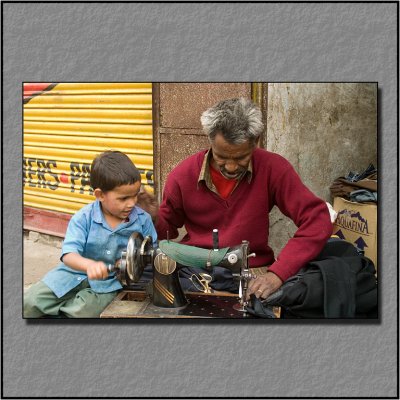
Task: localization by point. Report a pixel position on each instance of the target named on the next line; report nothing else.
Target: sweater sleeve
(170, 215)
(311, 216)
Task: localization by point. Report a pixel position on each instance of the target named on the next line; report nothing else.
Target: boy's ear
(98, 193)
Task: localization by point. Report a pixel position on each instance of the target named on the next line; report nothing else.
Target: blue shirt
(89, 235)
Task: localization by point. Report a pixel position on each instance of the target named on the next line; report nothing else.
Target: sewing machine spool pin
(215, 239)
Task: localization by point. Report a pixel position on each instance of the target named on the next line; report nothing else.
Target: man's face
(232, 160)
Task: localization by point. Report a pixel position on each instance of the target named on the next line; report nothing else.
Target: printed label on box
(357, 224)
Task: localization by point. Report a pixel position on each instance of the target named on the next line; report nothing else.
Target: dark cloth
(339, 283)
(368, 172)
(258, 309)
(222, 279)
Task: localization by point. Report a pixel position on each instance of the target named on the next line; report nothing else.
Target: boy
(81, 286)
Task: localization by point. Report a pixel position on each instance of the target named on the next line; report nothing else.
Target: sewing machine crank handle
(113, 267)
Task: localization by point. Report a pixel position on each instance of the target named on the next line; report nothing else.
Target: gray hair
(237, 119)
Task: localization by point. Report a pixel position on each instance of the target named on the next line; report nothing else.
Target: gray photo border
(198, 42)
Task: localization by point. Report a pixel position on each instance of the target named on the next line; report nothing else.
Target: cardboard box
(357, 224)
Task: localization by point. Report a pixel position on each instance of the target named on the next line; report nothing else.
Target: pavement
(41, 254)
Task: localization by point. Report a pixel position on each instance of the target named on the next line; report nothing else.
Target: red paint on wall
(48, 222)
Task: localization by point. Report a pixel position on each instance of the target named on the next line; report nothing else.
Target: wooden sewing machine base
(137, 304)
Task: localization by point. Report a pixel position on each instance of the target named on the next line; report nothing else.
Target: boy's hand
(97, 270)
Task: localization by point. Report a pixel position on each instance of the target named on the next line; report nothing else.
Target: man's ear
(99, 194)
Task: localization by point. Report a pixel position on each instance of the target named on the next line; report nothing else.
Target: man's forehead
(221, 145)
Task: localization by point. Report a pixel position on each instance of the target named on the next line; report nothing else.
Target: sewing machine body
(167, 259)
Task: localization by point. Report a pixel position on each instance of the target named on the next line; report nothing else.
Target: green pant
(80, 302)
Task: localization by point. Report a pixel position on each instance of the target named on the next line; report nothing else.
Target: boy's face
(119, 202)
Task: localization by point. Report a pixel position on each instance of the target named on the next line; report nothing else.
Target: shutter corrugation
(67, 124)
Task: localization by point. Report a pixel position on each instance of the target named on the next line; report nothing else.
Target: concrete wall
(325, 130)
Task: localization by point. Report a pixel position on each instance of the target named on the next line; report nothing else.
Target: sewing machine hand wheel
(138, 254)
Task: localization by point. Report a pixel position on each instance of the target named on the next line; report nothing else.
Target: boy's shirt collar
(97, 213)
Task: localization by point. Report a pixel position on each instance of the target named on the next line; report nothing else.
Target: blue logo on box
(352, 221)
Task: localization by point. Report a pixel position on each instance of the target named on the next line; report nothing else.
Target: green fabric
(80, 302)
(192, 256)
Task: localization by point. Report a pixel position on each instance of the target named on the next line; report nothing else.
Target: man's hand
(264, 285)
(97, 270)
(148, 203)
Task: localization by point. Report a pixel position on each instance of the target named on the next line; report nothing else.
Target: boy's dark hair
(111, 169)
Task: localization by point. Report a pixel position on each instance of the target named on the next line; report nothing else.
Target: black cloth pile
(357, 187)
(339, 283)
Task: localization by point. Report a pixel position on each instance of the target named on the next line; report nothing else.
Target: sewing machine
(168, 258)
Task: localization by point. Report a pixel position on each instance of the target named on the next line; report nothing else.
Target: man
(233, 187)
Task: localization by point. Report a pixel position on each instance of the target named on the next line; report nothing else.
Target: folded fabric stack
(361, 188)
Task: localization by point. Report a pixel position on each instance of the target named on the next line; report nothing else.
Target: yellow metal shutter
(67, 124)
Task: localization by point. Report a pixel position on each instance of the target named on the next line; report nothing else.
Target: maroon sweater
(244, 214)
